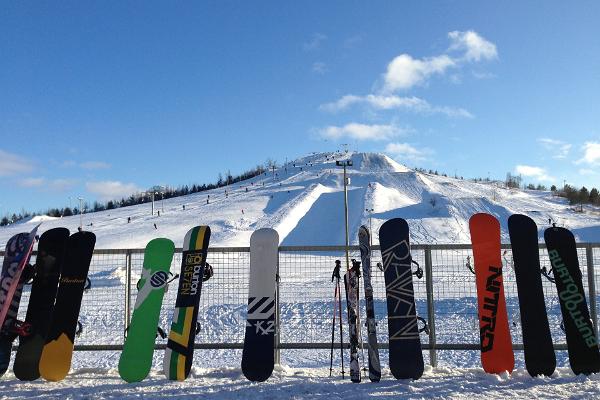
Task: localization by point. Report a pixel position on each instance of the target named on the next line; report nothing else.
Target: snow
(305, 204)
(314, 383)
(303, 200)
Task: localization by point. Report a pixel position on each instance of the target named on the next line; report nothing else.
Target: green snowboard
(136, 358)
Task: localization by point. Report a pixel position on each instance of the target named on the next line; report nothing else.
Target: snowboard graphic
(136, 359)
(48, 264)
(16, 257)
(406, 356)
(496, 346)
(180, 347)
(258, 355)
(582, 343)
(352, 286)
(55, 360)
(537, 341)
(365, 255)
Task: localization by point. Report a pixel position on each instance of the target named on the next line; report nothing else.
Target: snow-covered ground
(303, 200)
(315, 383)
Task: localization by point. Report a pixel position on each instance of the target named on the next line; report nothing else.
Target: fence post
(277, 315)
(589, 255)
(127, 289)
(430, 307)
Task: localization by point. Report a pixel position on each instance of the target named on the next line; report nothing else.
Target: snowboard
(258, 358)
(16, 257)
(496, 346)
(180, 346)
(48, 264)
(351, 284)
(582, 343)
(55, 360)
(136, 358)
(406, 356)
(537, 341)
(365, 256)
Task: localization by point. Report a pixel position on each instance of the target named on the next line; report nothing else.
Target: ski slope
(303, 200)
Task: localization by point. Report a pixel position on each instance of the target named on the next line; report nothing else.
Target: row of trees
(139, 198)
(579, 196)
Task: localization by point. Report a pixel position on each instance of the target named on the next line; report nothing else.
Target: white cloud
(109, 190)
(591, 154)
(586, 171)
(405, 151)
(557, 148)
(475, 47)
(94, 165)
(55, 185)
(32, 182)
(404, 71)
(353, 41)
(362, 132)
(383, 102)
(12, 164)
(319, 67)
(68, 164)
(61, 185)
(533, 172)
(315, 42)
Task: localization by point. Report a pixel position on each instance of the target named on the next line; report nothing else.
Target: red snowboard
(496, 346)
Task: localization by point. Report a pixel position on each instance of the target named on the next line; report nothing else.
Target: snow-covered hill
(304, 201)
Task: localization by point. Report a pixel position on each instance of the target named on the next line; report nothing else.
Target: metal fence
(445, 297)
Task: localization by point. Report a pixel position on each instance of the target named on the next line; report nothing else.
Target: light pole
(370, 211)
(346, 163)
(80, 213)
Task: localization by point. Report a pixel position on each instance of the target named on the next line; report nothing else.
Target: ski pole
(335, 295)
(336, 274)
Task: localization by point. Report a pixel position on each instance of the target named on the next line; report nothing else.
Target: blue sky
(99, 99)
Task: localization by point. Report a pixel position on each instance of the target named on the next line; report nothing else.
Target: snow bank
(292, 383)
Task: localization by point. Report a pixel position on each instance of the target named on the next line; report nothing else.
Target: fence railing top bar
(220, 249)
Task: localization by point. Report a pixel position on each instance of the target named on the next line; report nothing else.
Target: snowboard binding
(425, 328)
(548, 274)
(419, 272)
(208, 272)
(356, 267)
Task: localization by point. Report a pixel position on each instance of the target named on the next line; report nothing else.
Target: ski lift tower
(344, 164)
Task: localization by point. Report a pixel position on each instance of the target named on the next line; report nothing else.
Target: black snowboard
(537, 341)
(406, 356)
(55, 360)
(582, 342)
(258, 358)
(51, 249)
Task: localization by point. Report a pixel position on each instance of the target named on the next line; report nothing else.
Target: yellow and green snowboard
(136, 358)
(180, 347)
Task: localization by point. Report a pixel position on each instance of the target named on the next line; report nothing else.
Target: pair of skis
(136, 359)
(405, 354)
(496, 346)
(46, 337)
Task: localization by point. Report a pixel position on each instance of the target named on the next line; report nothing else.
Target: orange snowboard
(496, 346)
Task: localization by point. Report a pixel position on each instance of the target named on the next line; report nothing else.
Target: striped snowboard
(180, 347)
